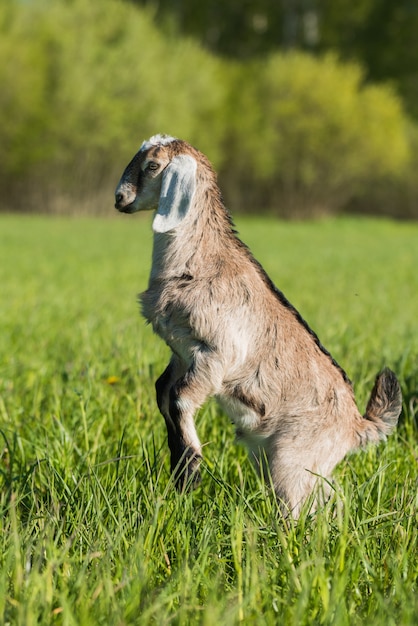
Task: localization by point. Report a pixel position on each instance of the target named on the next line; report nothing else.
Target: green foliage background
(84, 83)
(380, 35)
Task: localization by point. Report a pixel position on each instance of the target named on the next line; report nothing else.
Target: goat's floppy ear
(177, 190)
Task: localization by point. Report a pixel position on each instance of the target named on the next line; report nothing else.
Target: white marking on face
(126, 189)
(156, 140)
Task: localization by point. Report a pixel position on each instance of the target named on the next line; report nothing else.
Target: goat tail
(383, 408)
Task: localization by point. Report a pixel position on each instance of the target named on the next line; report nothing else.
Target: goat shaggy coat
(235, 336)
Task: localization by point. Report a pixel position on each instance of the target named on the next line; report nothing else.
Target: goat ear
(177, 190)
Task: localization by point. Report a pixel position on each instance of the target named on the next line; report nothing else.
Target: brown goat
(235, 336)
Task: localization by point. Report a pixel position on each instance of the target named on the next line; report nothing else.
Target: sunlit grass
(92, 531)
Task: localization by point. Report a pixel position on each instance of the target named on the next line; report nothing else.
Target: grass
(92, 531)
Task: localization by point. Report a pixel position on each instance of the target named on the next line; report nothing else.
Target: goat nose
(119, 197)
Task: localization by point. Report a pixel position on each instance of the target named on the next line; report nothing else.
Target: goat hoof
(187, 475)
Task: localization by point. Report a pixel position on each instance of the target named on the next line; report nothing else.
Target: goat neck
(200, 244)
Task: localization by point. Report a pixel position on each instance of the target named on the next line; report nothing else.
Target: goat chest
(171, 321)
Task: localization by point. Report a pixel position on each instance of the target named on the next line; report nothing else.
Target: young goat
(234, 336)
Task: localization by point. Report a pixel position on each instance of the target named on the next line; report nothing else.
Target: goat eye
(152, 165)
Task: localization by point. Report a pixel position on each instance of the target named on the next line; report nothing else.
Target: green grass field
(92, 531)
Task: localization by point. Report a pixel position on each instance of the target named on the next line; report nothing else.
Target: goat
(234, 336)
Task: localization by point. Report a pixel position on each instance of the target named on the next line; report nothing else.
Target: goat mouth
(129, 208)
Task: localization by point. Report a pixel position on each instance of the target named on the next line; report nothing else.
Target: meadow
(91, 529)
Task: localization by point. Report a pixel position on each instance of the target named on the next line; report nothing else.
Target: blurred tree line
(272, 92)
(381, 35)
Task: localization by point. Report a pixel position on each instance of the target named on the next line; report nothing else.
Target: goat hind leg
(295, 483)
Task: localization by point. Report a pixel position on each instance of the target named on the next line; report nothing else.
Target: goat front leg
(172, 389)
(180, 393)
